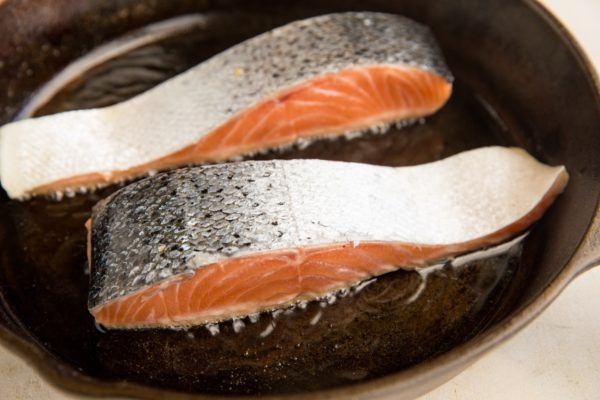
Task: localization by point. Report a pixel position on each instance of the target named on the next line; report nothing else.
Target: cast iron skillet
(513, 54)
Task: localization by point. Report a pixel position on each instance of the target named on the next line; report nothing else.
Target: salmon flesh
(321, 77)
(204, 244)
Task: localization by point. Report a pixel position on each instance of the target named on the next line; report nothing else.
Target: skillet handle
(587, 255)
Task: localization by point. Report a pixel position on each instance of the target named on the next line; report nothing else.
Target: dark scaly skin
(329, 43)
(152, 229)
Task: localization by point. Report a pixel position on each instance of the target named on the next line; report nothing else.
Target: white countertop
(556, 357)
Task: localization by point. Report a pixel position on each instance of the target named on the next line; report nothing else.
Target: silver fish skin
(177, 222)
(36, 152)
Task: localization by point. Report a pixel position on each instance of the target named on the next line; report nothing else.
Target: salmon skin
(205, 244)
(321, 77)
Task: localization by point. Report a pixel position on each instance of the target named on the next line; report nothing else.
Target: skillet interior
(548, 104)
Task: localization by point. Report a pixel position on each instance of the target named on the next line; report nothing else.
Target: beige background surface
(556, 357)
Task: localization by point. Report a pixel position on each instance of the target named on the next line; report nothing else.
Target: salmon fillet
(321, 77)
(205, 244)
